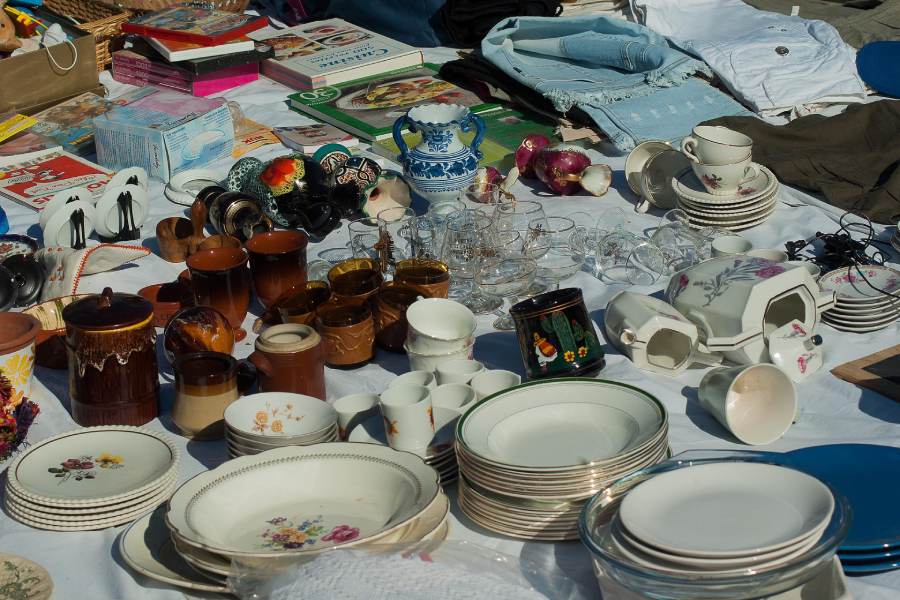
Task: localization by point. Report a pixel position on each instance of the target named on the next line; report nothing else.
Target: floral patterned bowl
(51, 345)
(280, 416)
(736, 301)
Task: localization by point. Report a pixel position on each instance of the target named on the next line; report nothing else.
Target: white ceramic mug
(457, 371)
(715, 145)
(408, 417)
(755, 403)
(724, 180)
(353, 410)
(458, 397)
(493, 381)
(425, 378)
(769, 254)
(727, 245)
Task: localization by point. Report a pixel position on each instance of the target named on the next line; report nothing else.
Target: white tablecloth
(87, 565)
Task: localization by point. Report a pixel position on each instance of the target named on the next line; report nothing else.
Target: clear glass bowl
(609, 563)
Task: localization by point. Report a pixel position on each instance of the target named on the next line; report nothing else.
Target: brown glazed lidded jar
(348, 333)
(111, 343)
(290, 358)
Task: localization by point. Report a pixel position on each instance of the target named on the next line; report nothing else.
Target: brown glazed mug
(300, 306)
(348, 333)
(205, 384)
(220, 279)
(390, 314)
(277, 262)
(355, 280)
(430, 277)
(290, 358)
(219, 241)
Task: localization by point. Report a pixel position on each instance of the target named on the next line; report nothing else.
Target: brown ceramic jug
(290, 358)
(348, 333)
(220, 279)
(113, 375)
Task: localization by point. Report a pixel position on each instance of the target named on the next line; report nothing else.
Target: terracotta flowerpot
(277, 262)
(17, 342)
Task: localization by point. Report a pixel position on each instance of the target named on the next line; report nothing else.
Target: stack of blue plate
(869, 476)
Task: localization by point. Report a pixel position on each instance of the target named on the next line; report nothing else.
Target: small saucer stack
(752, 204)
(91, 478)
(866, 297)
(270, 420)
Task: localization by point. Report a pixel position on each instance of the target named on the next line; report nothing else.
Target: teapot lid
(107, 310)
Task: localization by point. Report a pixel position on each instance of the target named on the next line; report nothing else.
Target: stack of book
(193, 50)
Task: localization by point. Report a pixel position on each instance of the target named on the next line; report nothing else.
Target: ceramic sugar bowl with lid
(736, 301)
(113, 375)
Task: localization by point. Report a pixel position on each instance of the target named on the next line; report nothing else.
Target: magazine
(33, 179)
(309, 138)
(194, 24)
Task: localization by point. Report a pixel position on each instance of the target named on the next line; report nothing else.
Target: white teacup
(715, 145)
(354, 409)
(408, 417)
(457, 397)
(493, 381)
(457, 371)
(769, 254)
(727, 245)
(425, 378)
(724, 180)
(756, 404)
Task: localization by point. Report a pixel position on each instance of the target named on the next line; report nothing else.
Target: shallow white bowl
(278, 415)
(438, 326)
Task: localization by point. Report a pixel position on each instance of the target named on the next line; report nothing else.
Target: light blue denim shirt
(632, 83)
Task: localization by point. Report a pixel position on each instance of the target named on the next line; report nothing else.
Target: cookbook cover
(194, 24)
(33, 179)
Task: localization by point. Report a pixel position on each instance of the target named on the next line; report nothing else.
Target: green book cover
(505, 130)
(368, 107)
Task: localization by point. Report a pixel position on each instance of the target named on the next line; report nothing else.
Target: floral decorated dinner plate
(858, 284)
(686, 184)
(94, 466)
(22, 579)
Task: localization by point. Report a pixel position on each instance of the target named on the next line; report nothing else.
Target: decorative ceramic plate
(561, 423)
(686, 184)
(739, 227)
(853, 319)
(726, 510)
(362, 492)
(12, 244)
(100, 516)
(240, 439)
(147, 547)
(636, 159)
(60, 512)
(703, 210)
(656, 177)
(733, 220)
(858, 328)
(850, 286)
(272, 415)
(94, 466)
(207, 561)
(868, 310)
(22, 579)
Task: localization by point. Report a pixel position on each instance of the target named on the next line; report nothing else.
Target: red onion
(560, 168)
(526, 152)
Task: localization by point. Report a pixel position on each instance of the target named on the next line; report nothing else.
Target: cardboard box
(165, 132)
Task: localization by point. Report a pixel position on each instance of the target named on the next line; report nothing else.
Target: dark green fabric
(858, 21)
(852, 158)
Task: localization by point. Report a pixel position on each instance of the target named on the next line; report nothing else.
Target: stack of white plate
(439, 454)
(263, 510)
(530, 456)
(753, 203)
(895, 239)
(91, 478)
(866, 298)
(722, 519)
(261, 422)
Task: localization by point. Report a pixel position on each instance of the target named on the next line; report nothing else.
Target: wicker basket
(104, 22)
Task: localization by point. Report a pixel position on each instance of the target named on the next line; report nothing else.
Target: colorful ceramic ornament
(391, 191)
(527, 152)
(560, 167)
(330, 157)
(359, 172)
(282, 185)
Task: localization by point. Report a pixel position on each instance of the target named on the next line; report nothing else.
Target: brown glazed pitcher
(290, 358)
(113, 375)
(205, 384)
(348, 333)
(220, 279)
(277, 262)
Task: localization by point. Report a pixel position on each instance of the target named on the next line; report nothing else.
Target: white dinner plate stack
(439, 454)
(91, 478)
(862, 297)
(276, 507)
(895, 239)
(752, 204)
(530, 456)
(265, 421)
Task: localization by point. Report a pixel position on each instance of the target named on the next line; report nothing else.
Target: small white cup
(493, 381)
(408, 417)
(724, 180)
(716, 145)
(755, 403)
(457, 397)
(769, 254)
(353, 410)
(425, 378)
(727, 245)
(457, 371)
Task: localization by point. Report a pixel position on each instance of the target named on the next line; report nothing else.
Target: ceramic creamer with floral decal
(737, 300)
(17, 335)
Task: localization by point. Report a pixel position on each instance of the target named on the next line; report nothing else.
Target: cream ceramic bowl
(439, 326)
(277, 415)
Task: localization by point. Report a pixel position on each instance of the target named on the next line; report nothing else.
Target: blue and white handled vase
(440, 165)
